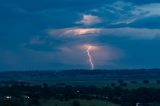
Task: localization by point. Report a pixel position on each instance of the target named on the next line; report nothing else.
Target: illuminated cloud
(89, 20)
(74, 31)
(136, 33)
(101, 54)
(104, 26)
(90, 47)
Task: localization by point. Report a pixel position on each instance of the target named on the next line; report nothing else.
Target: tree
(158, 81)
(134, 82)
(124, 84)
(75, 103)
(120, 81)
(35, 102)
(145, 81)
(113, 84)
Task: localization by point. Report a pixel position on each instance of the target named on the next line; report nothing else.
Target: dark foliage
(119, 95)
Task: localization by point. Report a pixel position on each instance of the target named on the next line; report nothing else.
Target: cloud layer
(49, 34)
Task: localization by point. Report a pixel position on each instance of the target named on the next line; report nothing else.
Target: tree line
(27, 95)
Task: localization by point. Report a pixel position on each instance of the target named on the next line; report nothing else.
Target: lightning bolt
(90, 58)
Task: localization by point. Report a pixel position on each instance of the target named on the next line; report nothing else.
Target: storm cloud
(49, 34)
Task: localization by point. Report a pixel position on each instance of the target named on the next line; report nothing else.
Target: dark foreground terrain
(81, 88)
(20, 94)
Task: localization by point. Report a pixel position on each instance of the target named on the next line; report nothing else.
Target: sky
(57, 34)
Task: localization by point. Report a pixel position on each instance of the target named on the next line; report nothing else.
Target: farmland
(100, 78)
(81, 102)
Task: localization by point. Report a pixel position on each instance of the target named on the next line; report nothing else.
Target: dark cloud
(36, 5)
(128, 25)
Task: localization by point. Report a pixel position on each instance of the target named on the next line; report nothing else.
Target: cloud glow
(136, 33)
(91, 47)
(74, 31)
(89, 20)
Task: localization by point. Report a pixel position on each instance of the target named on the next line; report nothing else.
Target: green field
(99, 83)
(82, 103)
(87, 78)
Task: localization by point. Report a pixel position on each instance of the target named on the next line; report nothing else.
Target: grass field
(82, 103)
(101, 83)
